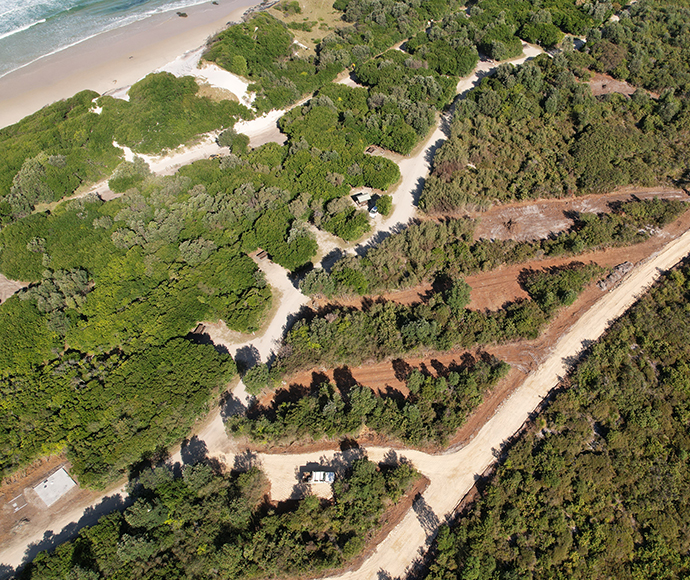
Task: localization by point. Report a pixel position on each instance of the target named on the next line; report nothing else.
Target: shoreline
(115, 59)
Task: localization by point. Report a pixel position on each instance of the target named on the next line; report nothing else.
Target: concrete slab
(52, 489)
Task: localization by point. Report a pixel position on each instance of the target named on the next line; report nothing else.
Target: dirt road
(453, 475)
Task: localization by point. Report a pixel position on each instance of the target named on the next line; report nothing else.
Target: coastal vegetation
(536, 131)
(430, 414)
(438, 251)
(206, 524)
(597, 486)
(50, 154)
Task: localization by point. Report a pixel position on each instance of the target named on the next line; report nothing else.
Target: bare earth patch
(216, 94)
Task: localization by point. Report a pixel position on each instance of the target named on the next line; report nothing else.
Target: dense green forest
(205, 524)
(649, 46)
(440, 251)
(598, 487)
(48, 155)
(430, 414)
(537, 131)
(113, 284)
(108, 411)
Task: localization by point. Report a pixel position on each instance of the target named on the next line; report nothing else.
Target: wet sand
(113, 59)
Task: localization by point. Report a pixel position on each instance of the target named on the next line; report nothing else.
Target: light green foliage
(129, 174)
(261, 50)
(429, 415)
(597, 488)
(49, 154)
(209, 525)
(164, 111)
(289, 7)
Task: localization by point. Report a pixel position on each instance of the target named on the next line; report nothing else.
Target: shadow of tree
(426, 517)
(230, 406)
(247, 357)
(245, 461)
(90, 517)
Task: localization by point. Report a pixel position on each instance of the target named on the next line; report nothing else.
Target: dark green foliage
(207, 525)
(384, 204)
(269, 192)
(561, 141)
(432, 251)
(256, 378)
(123, 281)
(349, 224)
(551, 289)
(598, 488)
(236, 142)
(388, 329)
(649, 46)
(263, 47)
(109, 411)
(430, 414)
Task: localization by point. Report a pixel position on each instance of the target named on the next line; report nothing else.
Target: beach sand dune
(115, 59)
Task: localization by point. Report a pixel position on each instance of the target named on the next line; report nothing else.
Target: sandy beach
(113, 59)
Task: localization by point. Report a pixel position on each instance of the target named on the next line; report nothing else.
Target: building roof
(52, 489)
(322, 477)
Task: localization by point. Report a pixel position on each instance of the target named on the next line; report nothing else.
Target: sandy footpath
(113, 59)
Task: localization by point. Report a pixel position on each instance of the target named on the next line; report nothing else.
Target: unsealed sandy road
(453, 475)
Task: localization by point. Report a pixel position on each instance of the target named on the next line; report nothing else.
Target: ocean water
(31, 29)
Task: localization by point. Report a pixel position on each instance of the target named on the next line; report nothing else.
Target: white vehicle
(373, 212)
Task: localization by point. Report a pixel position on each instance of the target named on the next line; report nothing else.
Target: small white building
(52, 489)
(362, 198)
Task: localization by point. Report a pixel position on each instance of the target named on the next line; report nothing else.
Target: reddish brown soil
(523, 221)
(602, 84)
(524, 356)
(535, 220)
